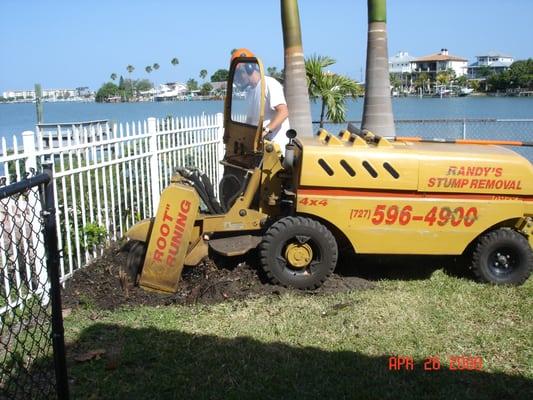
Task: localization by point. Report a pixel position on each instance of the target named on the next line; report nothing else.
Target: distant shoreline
(426, 96)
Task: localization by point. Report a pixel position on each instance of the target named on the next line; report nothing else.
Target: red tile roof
(439, 57)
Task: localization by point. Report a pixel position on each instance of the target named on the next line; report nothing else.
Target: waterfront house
(440, 62)
(219, 88)
(48, 94)
(401, 67)
(493, 61)
(401, 63)
(170, 91)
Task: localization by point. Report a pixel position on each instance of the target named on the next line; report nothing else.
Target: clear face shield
(247, 91)
(246, 75)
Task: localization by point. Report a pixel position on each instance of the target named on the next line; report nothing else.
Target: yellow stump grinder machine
(375, 195)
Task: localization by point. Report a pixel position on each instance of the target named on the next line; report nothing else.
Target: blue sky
(65, 44)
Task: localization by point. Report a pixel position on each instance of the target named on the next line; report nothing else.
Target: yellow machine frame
(381, 197)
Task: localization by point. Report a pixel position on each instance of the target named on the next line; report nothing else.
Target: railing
(109, 177)
(502, 129)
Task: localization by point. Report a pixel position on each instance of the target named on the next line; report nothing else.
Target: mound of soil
(99, 285)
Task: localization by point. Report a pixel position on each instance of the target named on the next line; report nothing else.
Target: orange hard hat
(241, 53)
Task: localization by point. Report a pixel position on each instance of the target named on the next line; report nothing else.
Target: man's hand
(267, 133)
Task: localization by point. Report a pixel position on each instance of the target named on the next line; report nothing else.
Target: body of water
(16, 118)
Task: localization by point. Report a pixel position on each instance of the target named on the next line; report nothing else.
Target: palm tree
(130, 68)
(395, 81)
(203, 73)
(377, 112)
(330, 88)
(148, 69)
(295, 74)
(462, 81)
(423, 81)
(174, 61)
(113, 76)
(485, 72)
(443, 78)
(155, 66)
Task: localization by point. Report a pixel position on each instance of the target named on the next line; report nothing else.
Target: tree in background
(474, 84)
(113, 76)
(518, 76)
(125, 89)
(143, 85)
(155, 66)
(332, 89)
(461, 81)
(192, 84)
(497, 82)
(130, 68)
(274, 73)
(203, 74)
(107, 91)
(220, 75)
(206, 89)
(377, 111)
(423, 82)
(148, 69)
(521, 74)
(174, 61)
(485, 72)
(395, 82)
(443, 78)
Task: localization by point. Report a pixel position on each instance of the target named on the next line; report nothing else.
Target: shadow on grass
(401, 267)
(150, 363)
(373, 267)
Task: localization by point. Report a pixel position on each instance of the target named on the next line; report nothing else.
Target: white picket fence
(109, 177)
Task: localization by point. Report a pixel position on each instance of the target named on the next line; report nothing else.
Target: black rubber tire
(303, 230)
(502, 244)
(135, 261)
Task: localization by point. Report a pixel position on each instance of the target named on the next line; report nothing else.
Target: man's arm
(282, 112)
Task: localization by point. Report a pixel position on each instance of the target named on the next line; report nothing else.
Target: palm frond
(331, 88)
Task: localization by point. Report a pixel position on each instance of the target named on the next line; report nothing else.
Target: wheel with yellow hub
(298, 252)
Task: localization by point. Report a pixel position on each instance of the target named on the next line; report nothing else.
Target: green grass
(310, 346)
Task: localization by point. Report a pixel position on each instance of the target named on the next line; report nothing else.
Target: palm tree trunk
(377, 112)
(295, 78)
(322, 112)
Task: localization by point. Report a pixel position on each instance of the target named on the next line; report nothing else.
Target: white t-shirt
(273, 97)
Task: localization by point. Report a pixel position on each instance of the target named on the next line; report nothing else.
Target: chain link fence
(498, 129)
(32, 354)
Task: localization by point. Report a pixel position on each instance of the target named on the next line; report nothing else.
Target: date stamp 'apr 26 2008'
(433, 363)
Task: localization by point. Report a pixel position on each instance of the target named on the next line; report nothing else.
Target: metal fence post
(464, 128)
(52, 265)
(220, 144)
(154, 164)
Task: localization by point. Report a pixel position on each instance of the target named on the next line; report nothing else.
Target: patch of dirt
(98, 285)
